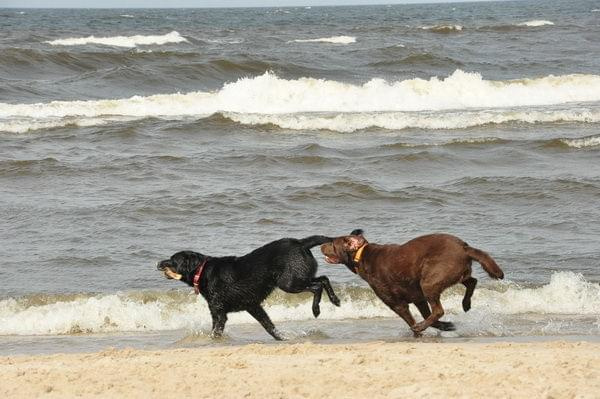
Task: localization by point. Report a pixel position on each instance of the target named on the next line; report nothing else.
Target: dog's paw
(466, 305)
(316, 311)
(217, 335)
(335, 300)
(418, 328)
(417, 334)
(279, 338)
(444, 326)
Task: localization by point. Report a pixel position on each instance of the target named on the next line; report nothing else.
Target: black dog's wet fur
(232, 284)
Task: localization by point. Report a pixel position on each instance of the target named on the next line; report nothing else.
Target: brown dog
(415, 272)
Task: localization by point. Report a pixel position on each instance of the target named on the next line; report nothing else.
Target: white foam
(333, 39)
(350, 122)
(27, 124)
(121, 41)
(443, 28)
(270, 99)
(536, 23)
(593, 141)
(119, 312)
(567, 293)
(126, 16)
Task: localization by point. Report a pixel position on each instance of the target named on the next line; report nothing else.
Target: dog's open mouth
(332, 260)
(169, 273)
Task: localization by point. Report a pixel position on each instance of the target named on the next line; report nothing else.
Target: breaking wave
(333, 39)
(121, 41)
(592, 141)
(350, 122)
(465, 99)
(536, 23)
(567, 293)
(443, 28)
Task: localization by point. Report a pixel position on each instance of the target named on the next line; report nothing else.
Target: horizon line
(242, 7)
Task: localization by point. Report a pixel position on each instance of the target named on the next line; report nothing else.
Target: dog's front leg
(437, 311)
(402, 310)
(219, 318)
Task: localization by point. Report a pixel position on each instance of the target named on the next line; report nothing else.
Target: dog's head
(181, 266)
(342, 249)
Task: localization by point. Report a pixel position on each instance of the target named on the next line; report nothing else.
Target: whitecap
(592, 141)
(333, 39)
(466, 98)
(443, 28)
(536, 23)
(121, 41)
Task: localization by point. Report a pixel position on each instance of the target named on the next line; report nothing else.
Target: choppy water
(126, 135)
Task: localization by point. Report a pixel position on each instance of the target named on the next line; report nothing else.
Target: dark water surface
(126, 135)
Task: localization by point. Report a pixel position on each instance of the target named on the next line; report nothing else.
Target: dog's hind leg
(470, 284)
(263, 318)
(440, 325)
(317, 290)
(328, 288)
(316, 287)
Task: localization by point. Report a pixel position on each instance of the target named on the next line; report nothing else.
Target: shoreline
(305, 370)
(318, 332)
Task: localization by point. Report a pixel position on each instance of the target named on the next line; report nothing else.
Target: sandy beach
(133, 130)
(375, 370)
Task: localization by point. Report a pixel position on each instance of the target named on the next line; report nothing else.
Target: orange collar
(358, 254)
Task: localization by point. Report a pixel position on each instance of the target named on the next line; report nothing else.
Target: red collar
(198, 275)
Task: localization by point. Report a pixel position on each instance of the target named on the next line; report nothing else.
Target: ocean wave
(350, 122)
(536, 23)
(121, 41)
(567, 293)
(592, 141)
(417, 59)
(270, 99)
(28, 124)
(106, 64)
(443, 28)
(333, 39)
(518, 26)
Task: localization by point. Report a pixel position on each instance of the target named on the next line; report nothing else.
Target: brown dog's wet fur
(417, 271)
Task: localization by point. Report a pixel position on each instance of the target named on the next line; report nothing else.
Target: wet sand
(376, 370)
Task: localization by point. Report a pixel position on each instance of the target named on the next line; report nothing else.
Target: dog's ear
(194, 259)
(184, 261)
(353, 243)
(357, 232)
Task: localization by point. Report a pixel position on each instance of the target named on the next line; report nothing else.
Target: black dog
(233, 284)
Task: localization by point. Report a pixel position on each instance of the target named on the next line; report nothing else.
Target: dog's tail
(313, 241)
(486, 261)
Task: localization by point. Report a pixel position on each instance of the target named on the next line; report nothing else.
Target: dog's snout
(160, 265)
